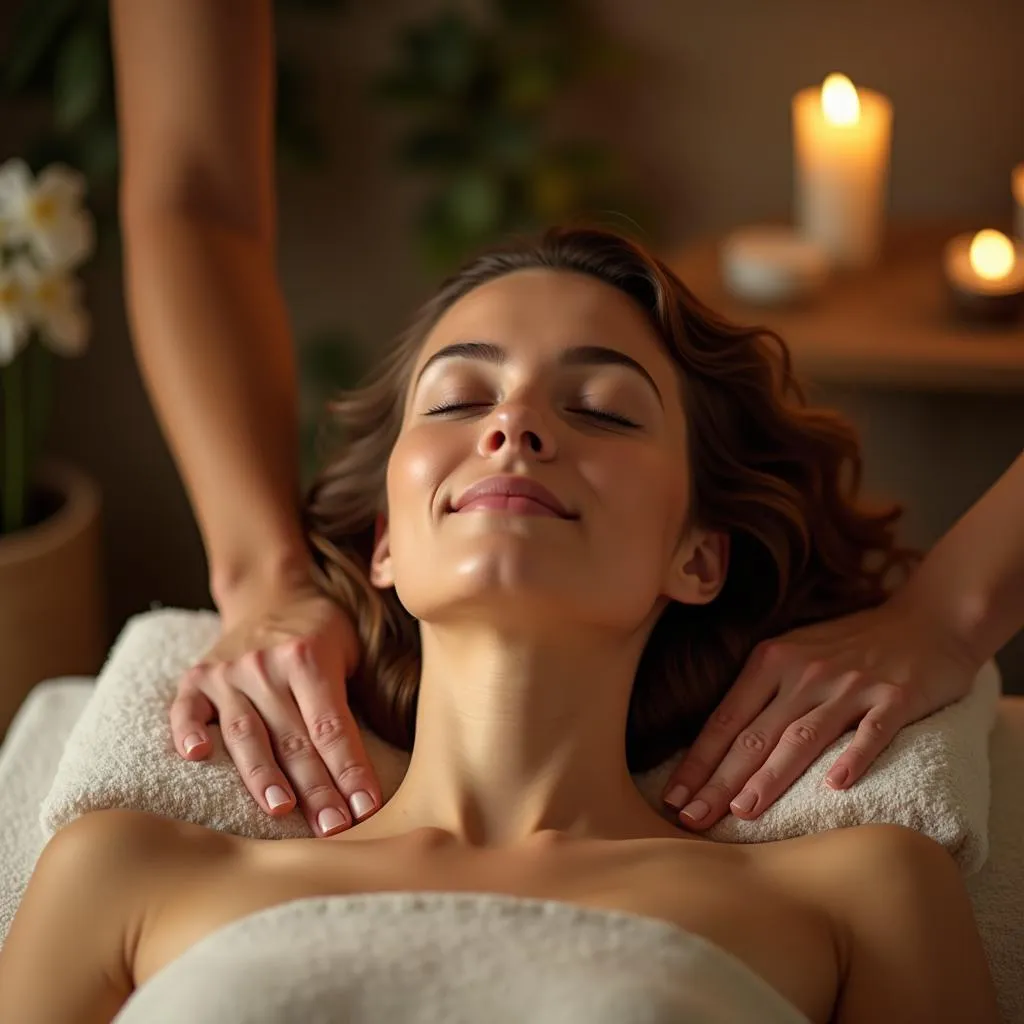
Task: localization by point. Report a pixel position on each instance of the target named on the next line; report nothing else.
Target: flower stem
(14, 484)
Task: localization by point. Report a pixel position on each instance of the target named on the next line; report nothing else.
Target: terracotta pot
(52, 603)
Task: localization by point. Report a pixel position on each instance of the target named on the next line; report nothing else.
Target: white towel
(453, 958)
(933, 777)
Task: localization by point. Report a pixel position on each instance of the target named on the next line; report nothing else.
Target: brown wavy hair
(779, 477)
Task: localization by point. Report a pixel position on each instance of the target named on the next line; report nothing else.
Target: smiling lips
(516, 494)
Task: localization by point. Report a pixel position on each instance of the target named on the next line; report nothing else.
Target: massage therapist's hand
(884, 668)
(275, 679)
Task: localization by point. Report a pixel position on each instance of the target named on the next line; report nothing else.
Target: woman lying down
(566, 509)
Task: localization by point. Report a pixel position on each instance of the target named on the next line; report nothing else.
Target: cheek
(419, 464)
(646, 493)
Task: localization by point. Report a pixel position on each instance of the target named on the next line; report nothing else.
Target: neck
(518, 735)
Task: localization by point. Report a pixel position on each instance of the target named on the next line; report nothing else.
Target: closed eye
(598, 414)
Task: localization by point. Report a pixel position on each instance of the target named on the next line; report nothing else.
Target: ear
(381, 574)
(698, 571)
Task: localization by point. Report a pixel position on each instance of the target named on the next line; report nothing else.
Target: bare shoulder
(908, 940)
(92, 879)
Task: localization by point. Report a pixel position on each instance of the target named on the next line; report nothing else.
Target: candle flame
(839, 100)
(991, 255)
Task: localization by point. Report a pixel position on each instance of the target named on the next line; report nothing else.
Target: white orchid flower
(55, 307)
(47, 213)
(15, 312)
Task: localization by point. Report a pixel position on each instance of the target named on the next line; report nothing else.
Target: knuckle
(351, 771)
(850, 683)
(241, 727)
(694, 767)
(329, 729)
(800, 735)
(751, 741)
(294, 746)
(722, 719)
(257, 772)
(716, 792)
(812, 672)
(771, 653)
(318, 792)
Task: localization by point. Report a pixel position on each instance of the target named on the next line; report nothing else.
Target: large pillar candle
(842, 139)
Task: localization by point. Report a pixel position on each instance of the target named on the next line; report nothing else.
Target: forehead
(539, 310)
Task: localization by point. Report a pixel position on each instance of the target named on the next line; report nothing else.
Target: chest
(714, 893)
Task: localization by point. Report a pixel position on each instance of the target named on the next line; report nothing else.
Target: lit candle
(1017, 181)
(985, 272)
(842, 137)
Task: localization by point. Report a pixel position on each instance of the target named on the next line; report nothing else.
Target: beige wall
(703, 129)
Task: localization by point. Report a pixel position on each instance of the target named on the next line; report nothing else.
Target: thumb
(190, 713)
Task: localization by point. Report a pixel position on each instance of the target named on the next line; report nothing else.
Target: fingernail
(696, 810)
(677, 796)
(745, 801)
(276, 796)
(838, 777)
(329, 819)
(361, 803)
(193, 739)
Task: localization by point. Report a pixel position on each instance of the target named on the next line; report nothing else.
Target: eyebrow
(579, 355)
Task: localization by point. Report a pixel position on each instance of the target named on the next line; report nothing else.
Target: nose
(517, 427)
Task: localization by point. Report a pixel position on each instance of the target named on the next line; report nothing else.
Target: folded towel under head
(933, 777)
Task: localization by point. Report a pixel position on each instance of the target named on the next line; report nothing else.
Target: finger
(334, 732)
(873, 735)
(190, 713)
(799, 746)
(247, 742)
(782, 724)
(322, 805)
(755, 687)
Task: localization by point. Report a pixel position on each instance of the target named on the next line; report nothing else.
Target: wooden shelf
(891, 325)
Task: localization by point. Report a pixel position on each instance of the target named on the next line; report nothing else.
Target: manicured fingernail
(276, 796)
(838, 777)
(677, 796)
(361, 803)
(329, 819)
(696, 810)
(745, 801)
(193, 739)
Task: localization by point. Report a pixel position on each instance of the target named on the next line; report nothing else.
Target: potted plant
(51, 600)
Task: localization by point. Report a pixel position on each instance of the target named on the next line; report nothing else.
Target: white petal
(66, 331)
(15, 184)
(14, 331)
(66, 243)
(64, 184)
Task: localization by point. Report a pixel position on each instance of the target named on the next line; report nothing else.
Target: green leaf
(473, 201)
(80, 75)
(36, 32)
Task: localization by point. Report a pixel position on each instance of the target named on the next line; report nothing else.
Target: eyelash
(601, 414)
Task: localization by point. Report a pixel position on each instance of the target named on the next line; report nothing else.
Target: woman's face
(559, 378)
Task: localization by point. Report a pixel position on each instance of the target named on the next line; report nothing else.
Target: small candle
(985, 272)
(1017, 182)
(842, 139)
(768, 265)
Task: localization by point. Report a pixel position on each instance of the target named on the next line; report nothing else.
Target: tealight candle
(842, 137)
(769, 265)
(1017, 183)
(985, 272)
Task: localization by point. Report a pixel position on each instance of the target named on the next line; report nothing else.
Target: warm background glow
(991, 254)
(839, 100)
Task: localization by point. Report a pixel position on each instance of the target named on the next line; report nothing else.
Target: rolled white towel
(933, 777)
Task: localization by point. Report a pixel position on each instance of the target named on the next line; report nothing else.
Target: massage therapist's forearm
(213, 342)
(195, 113)
(973, 579)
